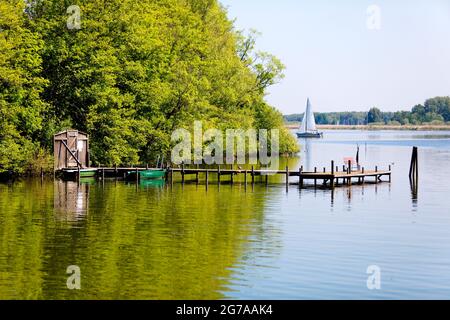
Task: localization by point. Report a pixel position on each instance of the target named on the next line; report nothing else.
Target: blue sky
(332, 56)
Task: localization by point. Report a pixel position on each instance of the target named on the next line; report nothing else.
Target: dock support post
(287, 176)
(182, 173)
(376, 176)
(332, 174)
(363, 179)
(349, 169)
(207, 177)
(245, 178)
(300, 170)
(218, 175)
(253, 175)
(315, 180)
(78, 174)
(232, 175)
(196, 174)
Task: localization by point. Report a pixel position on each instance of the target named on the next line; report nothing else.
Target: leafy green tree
(21, 107)
(374, 115)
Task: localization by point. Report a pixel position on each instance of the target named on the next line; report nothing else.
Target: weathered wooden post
(78, 174)
(137, 174)
(232, 174)
(332, 174)
(196, 174)
(253, 175)
(103, 174)
(245, 178)
(287, 176)
(315, 180)
(218, 175)
(349, 169)
(182, 173)
(300, 175)
(207, 177)
(414, 168)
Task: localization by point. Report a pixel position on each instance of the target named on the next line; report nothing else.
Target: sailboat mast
(306, 117)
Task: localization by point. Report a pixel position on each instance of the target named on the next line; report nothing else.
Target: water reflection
(158, 243)
(71, 199)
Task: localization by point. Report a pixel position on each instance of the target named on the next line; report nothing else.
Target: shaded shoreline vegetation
(132, 74)
(433, 114)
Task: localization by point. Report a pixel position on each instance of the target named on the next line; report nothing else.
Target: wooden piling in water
(287, 176)
(253, 175)
(332, 173)
(182, 172)
(414, 167)
(196, 174)
(218, 175)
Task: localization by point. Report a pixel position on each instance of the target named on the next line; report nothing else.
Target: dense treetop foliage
(132, 73)
(435, 110)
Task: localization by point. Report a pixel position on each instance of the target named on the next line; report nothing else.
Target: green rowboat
(84, 173)
(147, 174)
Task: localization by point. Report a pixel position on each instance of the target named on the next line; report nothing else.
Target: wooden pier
(330, 178)
(326, 178)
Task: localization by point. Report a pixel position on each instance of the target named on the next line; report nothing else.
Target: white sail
(308, 122)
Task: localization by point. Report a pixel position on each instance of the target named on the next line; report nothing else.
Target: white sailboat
(308, 127)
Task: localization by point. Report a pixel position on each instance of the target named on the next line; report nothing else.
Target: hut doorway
(71, 149)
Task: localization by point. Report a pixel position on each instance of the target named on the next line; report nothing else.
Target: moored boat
(147, 174)
(84, 173)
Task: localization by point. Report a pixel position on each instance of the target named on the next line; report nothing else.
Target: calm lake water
(152, 241)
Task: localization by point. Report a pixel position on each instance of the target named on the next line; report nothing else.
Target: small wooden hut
(71, 149)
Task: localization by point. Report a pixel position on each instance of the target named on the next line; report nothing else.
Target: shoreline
(377, 127)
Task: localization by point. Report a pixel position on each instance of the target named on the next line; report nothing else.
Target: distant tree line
(435, 110)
